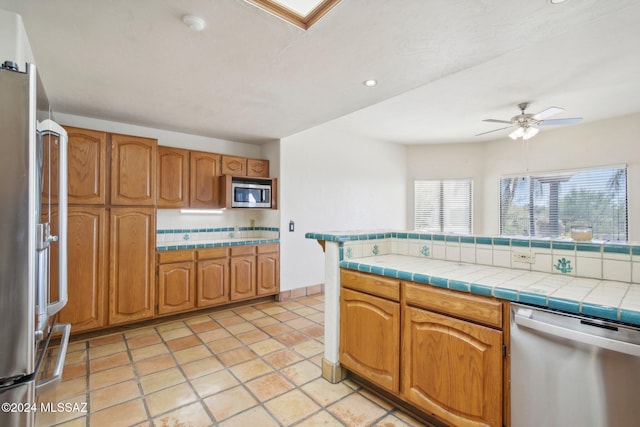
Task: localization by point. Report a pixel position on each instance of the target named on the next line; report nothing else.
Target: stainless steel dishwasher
(569, 370)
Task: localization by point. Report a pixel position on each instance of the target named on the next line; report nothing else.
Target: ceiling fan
(525, 123)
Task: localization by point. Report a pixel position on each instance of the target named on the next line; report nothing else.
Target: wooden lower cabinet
(268, 269)
(438, 350)
(190, 279)
(452, 368)
(132, 265)
(176, 287)
(370, 337)
(213, 277)
(86, 267)
(243, 277)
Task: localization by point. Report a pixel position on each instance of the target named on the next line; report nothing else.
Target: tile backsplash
(182, 236)
(604, 261)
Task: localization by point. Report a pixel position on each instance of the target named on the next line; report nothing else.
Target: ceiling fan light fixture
(530, 132)
(518, 133)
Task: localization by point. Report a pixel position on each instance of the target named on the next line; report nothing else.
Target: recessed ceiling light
(557, 1)
(194, 22)
(370, 83)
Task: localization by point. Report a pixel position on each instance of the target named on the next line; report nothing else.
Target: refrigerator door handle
(48, 126)
(43, 384)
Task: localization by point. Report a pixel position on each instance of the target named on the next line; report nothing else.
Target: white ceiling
(442, 66)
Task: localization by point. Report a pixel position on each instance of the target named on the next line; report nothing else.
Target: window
(548, 205)
(443, 206)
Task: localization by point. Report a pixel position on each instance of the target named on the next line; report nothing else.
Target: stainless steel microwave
(246, 193)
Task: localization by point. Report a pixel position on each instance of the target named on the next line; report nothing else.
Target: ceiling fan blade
(571, 121)
(497, 121)
(551, 111)
(495, 130)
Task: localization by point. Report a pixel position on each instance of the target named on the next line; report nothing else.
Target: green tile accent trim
(501, 241)
(215, 245)
(566, 246)
(543, 244)
(564, 305)
(602, 311)
(588, 247)
(521, 243)
(532, 298)
(483, 240)
(617, 249)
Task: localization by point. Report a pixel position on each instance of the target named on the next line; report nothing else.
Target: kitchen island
(463, 273)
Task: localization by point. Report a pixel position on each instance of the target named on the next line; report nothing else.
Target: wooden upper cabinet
(232, 165)
(204, 190)
(258, 168)
(133, 170)
(87, 166)
(131, 264)
(173, 177)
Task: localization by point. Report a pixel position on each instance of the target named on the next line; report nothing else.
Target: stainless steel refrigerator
(27, 317)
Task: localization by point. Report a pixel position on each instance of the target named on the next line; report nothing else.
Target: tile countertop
(199, 244)
(601, 295)
(599, 298)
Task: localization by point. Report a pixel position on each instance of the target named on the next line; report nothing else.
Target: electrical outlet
(524, 257)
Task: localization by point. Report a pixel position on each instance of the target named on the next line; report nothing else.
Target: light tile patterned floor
(255, 366)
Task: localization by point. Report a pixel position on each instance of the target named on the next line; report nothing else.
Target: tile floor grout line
(137, 378)
(300, 347)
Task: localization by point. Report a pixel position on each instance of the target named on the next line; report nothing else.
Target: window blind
(548, 205)
(443, 206)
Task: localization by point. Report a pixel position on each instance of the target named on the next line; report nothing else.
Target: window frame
(442, 212)
(549, 175)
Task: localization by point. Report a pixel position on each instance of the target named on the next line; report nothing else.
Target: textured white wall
(603, 143)
(333, 181)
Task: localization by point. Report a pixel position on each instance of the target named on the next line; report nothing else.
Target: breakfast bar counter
(601, 280)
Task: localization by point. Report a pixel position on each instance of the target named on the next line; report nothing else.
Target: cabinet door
(176, 287)
(258, 168)
(370, 338)
(213, 282)
(204, 190)
(131, 264)
(452, 368)
(133, 170)
(173, 177)
(86, 267)
(243, 277)
(87, 152)
(268, 274)
(87, 166)
(232, 165)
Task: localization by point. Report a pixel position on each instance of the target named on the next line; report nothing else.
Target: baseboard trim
(300, 292)
(333, 372)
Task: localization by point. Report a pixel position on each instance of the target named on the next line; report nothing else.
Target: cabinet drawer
(469, 307)
(175, 256)
(243, 250)
(268, 248)
(372, 284)
(212, 253)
